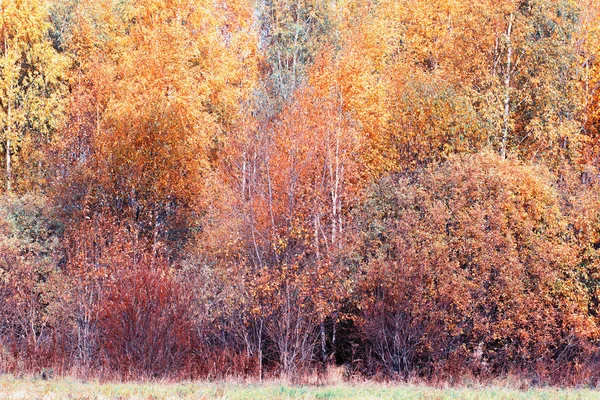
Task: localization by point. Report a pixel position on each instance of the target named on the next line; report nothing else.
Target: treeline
(203, 189)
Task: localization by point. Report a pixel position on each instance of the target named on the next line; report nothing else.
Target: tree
(536, 62)
(31, 89)
(168, 118)
(291, 35)
(422, 100)
(589, 53)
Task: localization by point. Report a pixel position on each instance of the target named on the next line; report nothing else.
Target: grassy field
(11, 388)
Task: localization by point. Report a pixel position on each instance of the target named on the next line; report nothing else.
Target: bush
(30, 283)
(469, 267)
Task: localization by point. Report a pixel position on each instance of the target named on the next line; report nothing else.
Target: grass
(30, 388)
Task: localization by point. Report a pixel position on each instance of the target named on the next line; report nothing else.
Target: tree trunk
(323, 343)
(9, 111)
(507, 75)
(260, 353)
(8, 167)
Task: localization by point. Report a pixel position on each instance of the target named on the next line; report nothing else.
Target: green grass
(11, 388)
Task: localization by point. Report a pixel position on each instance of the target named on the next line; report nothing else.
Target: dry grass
(35, 388)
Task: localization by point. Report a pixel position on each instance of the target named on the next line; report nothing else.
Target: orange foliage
(263, 188)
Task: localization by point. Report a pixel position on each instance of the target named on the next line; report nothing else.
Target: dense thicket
(198, 189)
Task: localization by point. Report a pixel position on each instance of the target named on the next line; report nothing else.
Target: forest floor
(64, 388)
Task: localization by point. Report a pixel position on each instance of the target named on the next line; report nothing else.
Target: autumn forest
(203, 189)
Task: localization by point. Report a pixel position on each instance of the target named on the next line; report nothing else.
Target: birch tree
(31, 88)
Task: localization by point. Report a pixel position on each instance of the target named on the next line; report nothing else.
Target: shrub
(469, 266)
